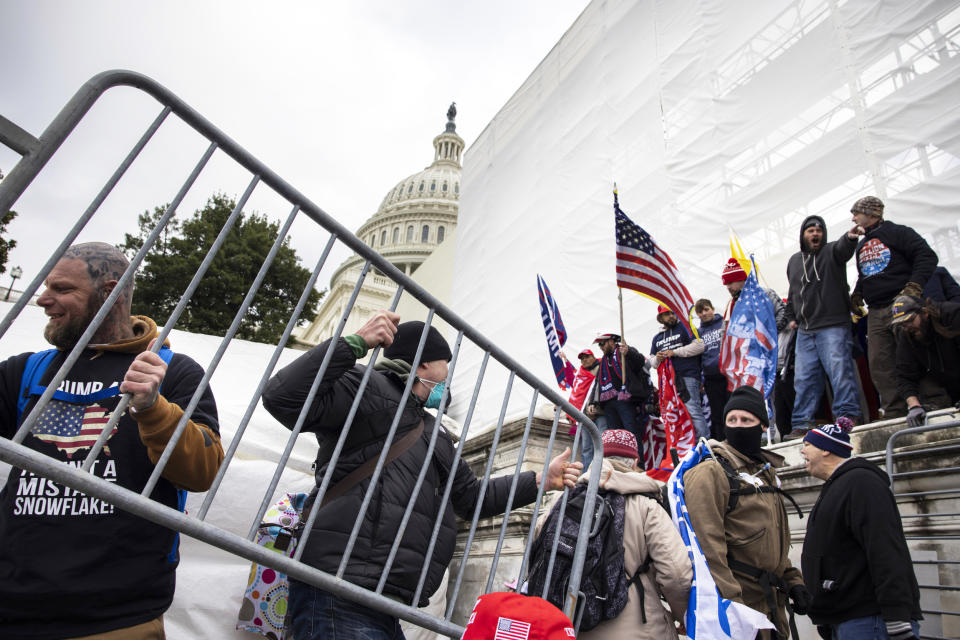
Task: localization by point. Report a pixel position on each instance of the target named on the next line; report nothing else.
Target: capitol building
(415, 216)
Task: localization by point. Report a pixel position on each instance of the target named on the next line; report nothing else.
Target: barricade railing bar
(36, 152)
(941, 526)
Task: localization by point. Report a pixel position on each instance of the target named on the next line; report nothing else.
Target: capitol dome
(420, 211)
(415, 216)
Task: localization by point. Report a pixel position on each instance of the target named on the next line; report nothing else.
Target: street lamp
(15, 273)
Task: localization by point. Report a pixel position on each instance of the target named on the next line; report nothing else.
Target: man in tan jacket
(649, 540)
(738, 515)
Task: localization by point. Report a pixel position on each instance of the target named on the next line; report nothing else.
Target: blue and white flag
(748, 354)
(709, 616)
(556, 335)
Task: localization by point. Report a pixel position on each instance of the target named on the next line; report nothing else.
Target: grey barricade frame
(37, 152)
(948, 527)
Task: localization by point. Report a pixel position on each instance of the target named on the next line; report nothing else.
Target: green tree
(5, 244)
(175, 259)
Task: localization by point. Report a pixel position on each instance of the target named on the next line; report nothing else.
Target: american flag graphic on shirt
(508, 629)
(72, 427)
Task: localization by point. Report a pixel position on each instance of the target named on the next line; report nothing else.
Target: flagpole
(616, 205)
(622, 337)
(620, 298)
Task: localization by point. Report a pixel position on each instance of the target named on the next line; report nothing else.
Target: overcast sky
(341, 99)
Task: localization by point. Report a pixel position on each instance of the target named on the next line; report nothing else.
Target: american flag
(508, 629)
(72, 427)
(646, 268)
(748, 353)
(656, 461)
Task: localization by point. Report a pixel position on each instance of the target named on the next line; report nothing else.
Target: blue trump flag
(556, 335)
(748, 354)
(709, 615)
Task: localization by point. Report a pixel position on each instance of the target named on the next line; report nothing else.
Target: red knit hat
(619, 442)
(505, 614)
(733, 272)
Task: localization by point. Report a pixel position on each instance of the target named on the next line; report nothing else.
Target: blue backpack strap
(174, 554)
(166, 354)
(37, 364)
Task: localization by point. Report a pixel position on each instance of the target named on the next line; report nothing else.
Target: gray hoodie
(819, 296)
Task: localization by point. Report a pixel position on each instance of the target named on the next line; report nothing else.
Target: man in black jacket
(855, 559)
(818, 307)
(928, 355)
(318, 614)
(622, 386)
(892, 260)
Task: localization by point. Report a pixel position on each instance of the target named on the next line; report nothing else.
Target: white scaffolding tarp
(710, 116)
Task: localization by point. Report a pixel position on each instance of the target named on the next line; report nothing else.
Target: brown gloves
(856, 305)
(912, 289)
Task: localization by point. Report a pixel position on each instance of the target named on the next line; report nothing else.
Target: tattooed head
(104, 263)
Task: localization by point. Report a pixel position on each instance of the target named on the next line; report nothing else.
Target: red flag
(581, 385)
(677, 423)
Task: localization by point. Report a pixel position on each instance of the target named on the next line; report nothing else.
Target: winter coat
(889, 256)
(648, 532)
(638, 377)
(819, 296)
(937, 357)
(711, 333)
(582, 384)
(72, 565)
(941, 286)
(755, 532)
(284, 397)
(855, 558)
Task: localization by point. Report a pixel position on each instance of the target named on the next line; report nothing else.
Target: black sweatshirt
(819, 295)
(855, 559)
(889, 256)
(72, 565)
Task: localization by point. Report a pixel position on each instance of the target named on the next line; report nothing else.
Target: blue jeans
(695, 407)
(621, 414)
(318, 615)
(822, 351)
(869, 628)
(586, 442)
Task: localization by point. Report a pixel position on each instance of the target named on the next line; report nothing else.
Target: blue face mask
(433, 400)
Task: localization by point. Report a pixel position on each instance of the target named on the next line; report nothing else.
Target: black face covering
(746, 440)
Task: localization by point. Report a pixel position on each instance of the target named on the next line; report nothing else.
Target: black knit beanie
(750, 400)
(405, 343)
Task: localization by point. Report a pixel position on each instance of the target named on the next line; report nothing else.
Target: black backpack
(604, 582)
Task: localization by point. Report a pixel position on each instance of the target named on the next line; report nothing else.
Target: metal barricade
(37, 152)
(928, 493)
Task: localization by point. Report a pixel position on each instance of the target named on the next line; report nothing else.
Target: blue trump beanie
(834, 438)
